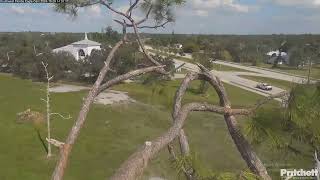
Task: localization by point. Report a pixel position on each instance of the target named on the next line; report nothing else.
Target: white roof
(277, 53)
(86, 41)
(68, 48)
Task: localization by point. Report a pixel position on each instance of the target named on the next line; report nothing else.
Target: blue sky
(195, 16)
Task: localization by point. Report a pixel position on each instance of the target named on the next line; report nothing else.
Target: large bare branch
(162, 25)
(183, 140)
(137, 162)
(146, 17)
(128, 13)
(133, 167)
(271, 97)
(128, 75)
(140, 21)
(142, 45)
(108, 5)
(243, 146)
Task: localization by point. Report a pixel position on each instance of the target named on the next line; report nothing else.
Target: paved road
(265, 72)
(233, 78)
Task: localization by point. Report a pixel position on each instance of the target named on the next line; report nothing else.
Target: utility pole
(8, 57)
(312, 48)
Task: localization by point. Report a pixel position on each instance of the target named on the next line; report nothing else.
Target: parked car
(264, 86)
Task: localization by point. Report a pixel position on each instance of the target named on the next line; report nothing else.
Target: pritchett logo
(299, 173)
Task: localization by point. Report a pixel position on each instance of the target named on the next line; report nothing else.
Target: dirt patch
(106, 98)
(63, 88)
(111, 97)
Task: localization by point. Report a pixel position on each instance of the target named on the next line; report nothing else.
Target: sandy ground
(67, 88)
(111, 97)
(106, 98)
(156, 178)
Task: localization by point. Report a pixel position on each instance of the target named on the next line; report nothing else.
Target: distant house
(274, 55)
(178, 46)
(80, 49)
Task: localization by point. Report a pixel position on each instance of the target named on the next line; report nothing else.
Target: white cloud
(305, 3)
(205, 4)
(203, 7)
(94, 10)
(239, 8)
(30, 17)
(202, 13)
(24, 10)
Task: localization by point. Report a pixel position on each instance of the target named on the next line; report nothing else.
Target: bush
(190, 48)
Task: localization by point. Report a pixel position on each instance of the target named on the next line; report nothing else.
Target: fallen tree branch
(271, 97)
(133, 167)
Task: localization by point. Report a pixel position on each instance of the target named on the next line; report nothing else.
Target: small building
(178, 46)
(80, 49)
(282, 57)
(276, 53)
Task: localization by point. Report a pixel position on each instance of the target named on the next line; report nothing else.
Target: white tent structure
(273, 55)
(276, 53)
(80, 49)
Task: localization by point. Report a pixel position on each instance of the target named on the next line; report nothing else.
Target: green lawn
(111, 133)
(220, 67)
(274, 82)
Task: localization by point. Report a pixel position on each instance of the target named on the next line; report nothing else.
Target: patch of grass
(112, 133)
(163, 95)
(274, 82)
(315, 71)
(220, 67)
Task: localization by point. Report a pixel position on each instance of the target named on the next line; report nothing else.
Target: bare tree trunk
(47, 100)
(243, 146)
(248, 155)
